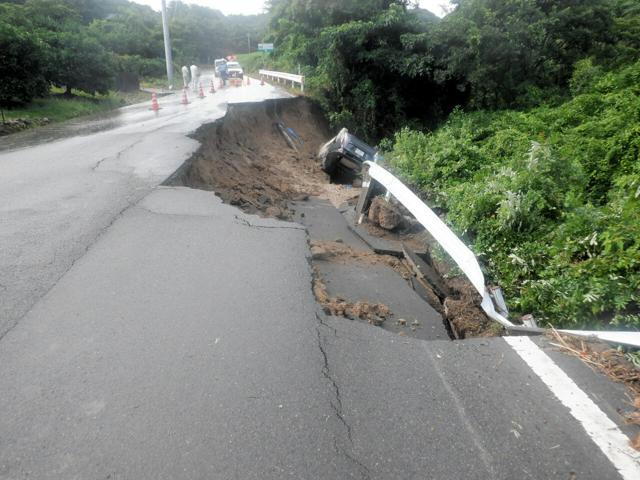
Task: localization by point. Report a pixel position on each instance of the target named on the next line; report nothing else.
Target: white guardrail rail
(462, 255)
(285, 77)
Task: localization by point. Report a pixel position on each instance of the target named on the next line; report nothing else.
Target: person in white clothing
(185, 76)
(195, 77)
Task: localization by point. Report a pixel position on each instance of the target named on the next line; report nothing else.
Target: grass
(159, 82)
(57, 107)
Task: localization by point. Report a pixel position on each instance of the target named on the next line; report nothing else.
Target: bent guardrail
(459, 252)
(286, 77)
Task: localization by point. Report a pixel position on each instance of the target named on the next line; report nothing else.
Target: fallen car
(345, 150)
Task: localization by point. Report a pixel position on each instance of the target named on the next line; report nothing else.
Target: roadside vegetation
(95, 48)
(58, 107)
(518, 121)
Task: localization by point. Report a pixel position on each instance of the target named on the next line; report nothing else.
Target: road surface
(57, 197)
(154, 332)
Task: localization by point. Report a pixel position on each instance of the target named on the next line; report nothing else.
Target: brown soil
(461, 307)
(463, 311)
(373, 313)
(384, 214)
(246, 159)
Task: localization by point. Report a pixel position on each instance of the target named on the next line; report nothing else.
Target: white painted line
(605, 434)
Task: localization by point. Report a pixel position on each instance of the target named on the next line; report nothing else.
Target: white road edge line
(605, 434)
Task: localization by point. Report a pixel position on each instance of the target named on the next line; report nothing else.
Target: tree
(81, 63)
(21, 66)
(500, 49)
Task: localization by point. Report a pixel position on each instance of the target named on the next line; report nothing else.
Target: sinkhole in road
(262, 158)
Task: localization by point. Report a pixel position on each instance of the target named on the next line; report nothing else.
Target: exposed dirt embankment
(249, 162)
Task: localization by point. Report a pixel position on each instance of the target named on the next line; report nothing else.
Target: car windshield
(233, 65)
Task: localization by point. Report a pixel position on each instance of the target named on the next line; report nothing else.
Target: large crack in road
(245, 159)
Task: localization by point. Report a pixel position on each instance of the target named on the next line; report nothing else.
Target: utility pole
(248, 43)
(167, 44)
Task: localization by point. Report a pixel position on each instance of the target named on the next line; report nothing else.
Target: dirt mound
(262, 155)
(373, 313)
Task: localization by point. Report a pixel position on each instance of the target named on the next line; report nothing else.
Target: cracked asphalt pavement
(186, 343)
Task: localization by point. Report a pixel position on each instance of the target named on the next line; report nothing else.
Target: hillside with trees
(88, 45)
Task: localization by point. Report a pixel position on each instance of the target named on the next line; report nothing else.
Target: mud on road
(261, 157)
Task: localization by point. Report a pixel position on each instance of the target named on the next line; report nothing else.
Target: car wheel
(329, 164)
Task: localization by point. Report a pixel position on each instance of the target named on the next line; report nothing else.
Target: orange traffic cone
(201, 92)
(154, 102)
(212, 89)
(185, 100)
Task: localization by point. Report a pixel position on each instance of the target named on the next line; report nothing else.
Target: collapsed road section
(262, 158)
(384, 271)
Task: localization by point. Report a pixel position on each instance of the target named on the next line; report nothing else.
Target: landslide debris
(340, 252)
(373, 313)
(384, 214)
(246, 159)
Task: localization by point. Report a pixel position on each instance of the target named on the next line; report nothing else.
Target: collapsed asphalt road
(188, 343)
(248, 161)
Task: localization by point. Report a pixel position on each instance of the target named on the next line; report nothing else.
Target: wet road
(58, 196)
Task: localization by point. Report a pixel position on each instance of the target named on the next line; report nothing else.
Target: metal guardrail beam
(459, 252)
(464, 257)
(286, 77)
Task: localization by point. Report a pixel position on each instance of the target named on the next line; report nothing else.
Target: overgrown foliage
(549, 197)
(379, 65)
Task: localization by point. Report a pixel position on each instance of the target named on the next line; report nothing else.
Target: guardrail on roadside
(282, 76)
(459, 252)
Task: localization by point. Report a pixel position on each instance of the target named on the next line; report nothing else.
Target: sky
(248, 7)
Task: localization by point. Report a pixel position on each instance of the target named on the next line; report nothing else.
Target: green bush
(550, 198)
